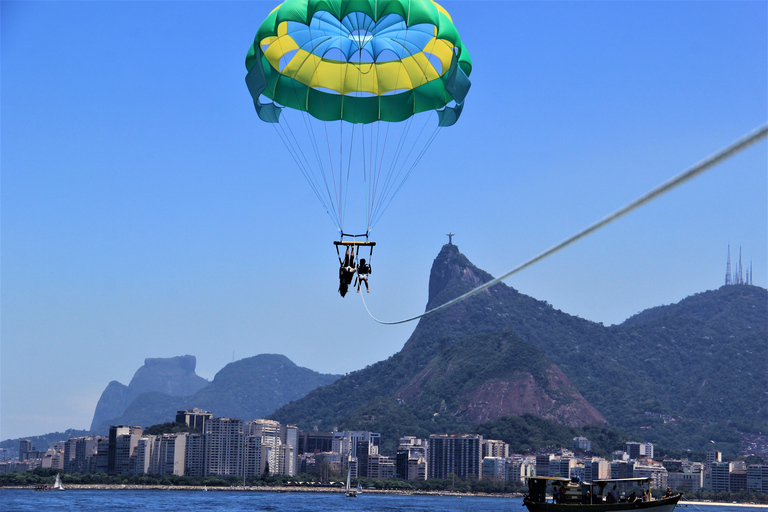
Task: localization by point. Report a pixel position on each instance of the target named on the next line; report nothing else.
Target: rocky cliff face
(173, 376)
(487, 376)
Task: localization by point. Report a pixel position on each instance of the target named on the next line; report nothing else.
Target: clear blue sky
(148, 212)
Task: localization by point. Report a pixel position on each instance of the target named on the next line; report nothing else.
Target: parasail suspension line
(720, 156)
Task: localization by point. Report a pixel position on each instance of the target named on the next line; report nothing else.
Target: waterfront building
(171, 451)
(346, 442)
(720, 476)
(656, 472)
(578, 472)
(516, 468)
(561, 466)
(639, 450)
(621, 469)
(270, 433)
(224, 447)
(315, 442)
(596, 468)
(454, 454)
(542, 464)
(25, 446)
(194, 459)
(253, 460)
(757, 477)
(386, 466)
(495, 448)
(53, 458)
(688, 481)
(410, 467)
(493, 468)
(121, 449)
(99, 462)
(738, 480)
(289, 436)
(330, 463)
(411, 459)
(145, 449)
(85, 450)
(287, 460)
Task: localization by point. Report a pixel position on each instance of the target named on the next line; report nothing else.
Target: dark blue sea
(232, 501)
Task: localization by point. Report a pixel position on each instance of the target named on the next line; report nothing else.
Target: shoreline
(720, 503)
(332, 490)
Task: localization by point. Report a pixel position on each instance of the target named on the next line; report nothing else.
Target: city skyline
(233, 448)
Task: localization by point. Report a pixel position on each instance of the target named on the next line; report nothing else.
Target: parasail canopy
(366, 69)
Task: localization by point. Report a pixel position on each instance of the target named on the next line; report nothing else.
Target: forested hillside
(679, 375)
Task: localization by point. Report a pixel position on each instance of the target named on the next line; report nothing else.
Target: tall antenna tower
(740, 279)
(728, 267)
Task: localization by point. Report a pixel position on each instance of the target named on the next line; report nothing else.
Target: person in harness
(363, 269)
(346, 271)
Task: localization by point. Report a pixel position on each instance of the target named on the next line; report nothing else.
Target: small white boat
(57, 485)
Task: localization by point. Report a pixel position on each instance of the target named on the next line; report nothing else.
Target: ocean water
(232, 501)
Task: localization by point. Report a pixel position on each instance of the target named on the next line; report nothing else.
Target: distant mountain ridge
(247, 389)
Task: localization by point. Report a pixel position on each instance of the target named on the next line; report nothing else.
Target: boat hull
(662, 505)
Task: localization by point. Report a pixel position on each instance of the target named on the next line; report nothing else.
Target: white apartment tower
(223, 453)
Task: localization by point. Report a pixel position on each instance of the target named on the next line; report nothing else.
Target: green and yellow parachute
(367, 69)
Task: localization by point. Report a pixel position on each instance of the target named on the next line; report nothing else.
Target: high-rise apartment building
(25, 446)
(494, 469)
(289, 435)
(170, 452)
(596, 469)
(224, 447)
(346, 442)
(194, 460)
(720, 476)
(757, 477)
(454, 454)
(315, 442)
(122, 445)
(145, 462)
(639, 450)
(542, 464)
(495, 448)
(516, 469)
(411, 459)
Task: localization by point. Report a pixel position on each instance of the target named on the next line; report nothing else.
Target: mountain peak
(453, 275)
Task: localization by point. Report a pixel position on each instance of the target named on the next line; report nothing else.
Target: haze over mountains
(681, 374)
